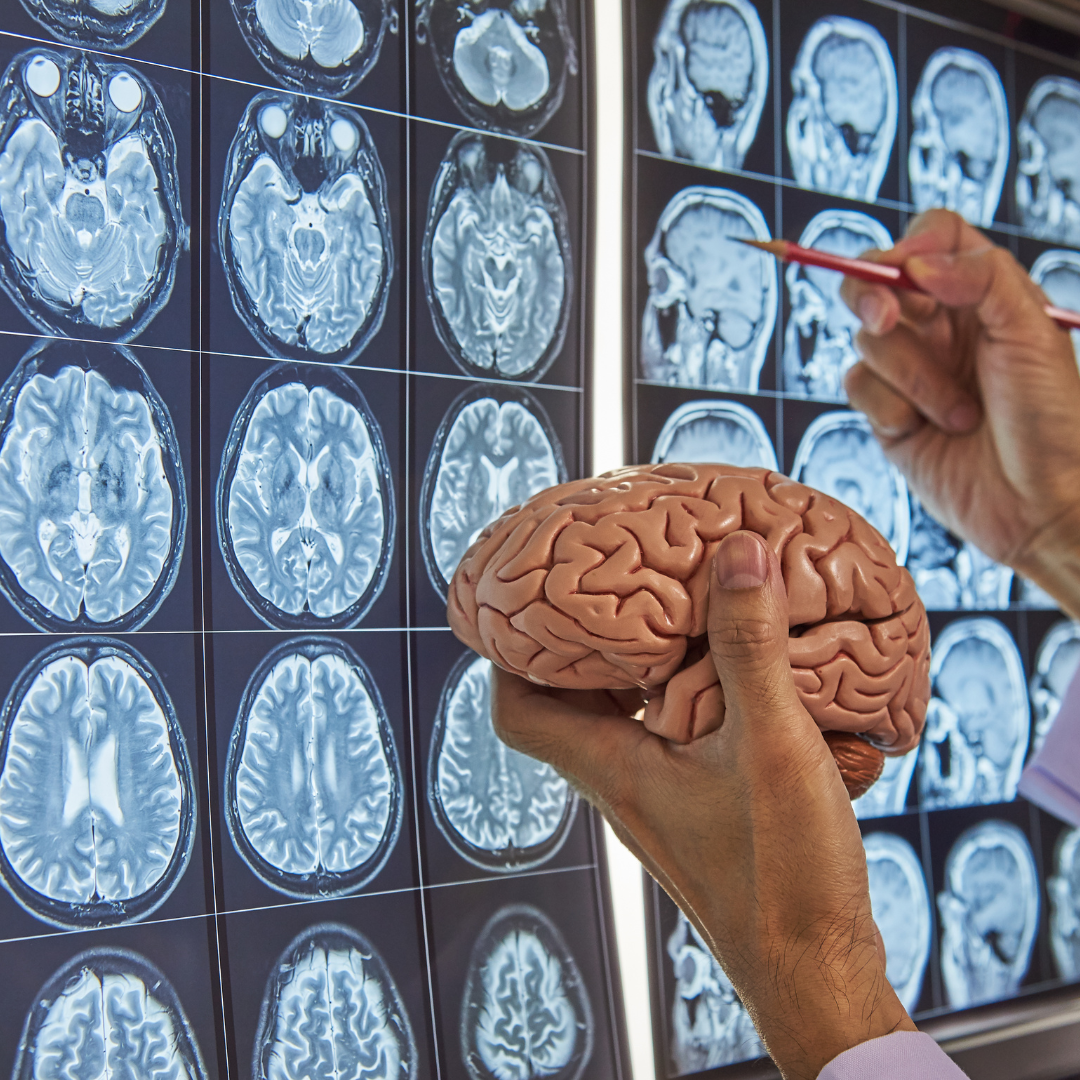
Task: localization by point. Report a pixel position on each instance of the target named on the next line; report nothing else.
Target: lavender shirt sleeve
(903, 1055)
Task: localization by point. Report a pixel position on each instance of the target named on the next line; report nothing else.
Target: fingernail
(963, 417)
(741, 562)
(872, 311)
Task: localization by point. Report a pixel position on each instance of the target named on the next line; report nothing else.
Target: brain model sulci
(604, 582)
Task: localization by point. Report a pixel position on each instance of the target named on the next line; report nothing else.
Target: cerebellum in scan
(109, 24)
(97, 800)
(89, 195)
(304, 230)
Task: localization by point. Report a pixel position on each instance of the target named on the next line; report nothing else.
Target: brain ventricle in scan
(101, 23)
(92, 492)
(97, 802)
(89, 195)
(304, 230)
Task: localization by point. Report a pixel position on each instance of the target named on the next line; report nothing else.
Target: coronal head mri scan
(842, 120)
(497, 263)
(888, 796)
(977, 722)
(901, 905)
(709, 81)
(504, 63)
(312, 781)
(97, 800)
(1057, 273)
(1048, 172)
(819, 337)
(110, 1012)
(89, 195)
(711, 431)
(711, 308)
(332, 1009)
(989, 914)
(499, 809)
(305, 503)
(960, 136)
(491, 452)
(526, 1013)
(109, 24)
(92, 491)
(1055, 664)
(304, 230)
(1064, 892)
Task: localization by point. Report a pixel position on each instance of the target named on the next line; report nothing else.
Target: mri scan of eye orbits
(526, 1012)
(888, 796)
(304, 230)
(709, 81)
(819, 338)
(715, 431)
(108, 1012)
(838, 454)
(312, 780)
(1057, 273)
(97, 801)
(960, 136)
(493, 450)
(332, 1009)
(305, 501)
(105, 24)
(498, 269)
(1055, 664)
(842, 121)
(989, 914)
(712, 301)
(92, 491)
(977, 722)
(1064, 891)
(499, 809)
(89, 195)
(1048, 172)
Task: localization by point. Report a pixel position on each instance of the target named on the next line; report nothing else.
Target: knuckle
(747, 641)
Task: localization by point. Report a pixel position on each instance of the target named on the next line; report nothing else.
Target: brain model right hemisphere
(604, 583)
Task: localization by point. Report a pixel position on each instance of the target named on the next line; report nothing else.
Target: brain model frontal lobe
(605, 583)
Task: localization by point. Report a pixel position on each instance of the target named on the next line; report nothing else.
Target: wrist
(1051, 559)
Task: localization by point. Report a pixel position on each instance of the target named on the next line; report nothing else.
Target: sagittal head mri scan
(709, 81)
(1048, 172)
(842, 120)
(819, 337)
(89, 195)
(960, 136)
(1064, 892)
(331, 1008)
(498, 809)
(92, 492)
(1055, 664)
(313, 796)
(889, 794)
(304, 230)
(526, 1013)
(1057, 273)
(497, 263)
(711, 308)
(106, 24)
(97, 800)
(989, 914)
(977, 722)
(305, 502)
(715, 431)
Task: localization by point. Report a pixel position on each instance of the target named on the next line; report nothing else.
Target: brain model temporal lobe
(312, 782)
(526, 1013)
(497, 261)
(304, 231)
(112, 24)
(93, 509)
(305, 503)
(89, 195)
(604, 583)
(97, 803)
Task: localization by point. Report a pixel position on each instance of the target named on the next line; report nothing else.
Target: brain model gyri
(605, 582)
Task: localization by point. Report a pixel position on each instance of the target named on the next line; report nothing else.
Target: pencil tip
(773, 247)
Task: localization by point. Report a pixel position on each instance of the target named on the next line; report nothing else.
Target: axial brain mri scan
(989, 914)
(842, 120)
(97, 800)
(305, 503)
(92, 490)
(709, 81)
(1048, 172)
(977, 722)
(526, 1013)
(108, 24)
(312, 781)
(304, 230)
(89, 195)
(497, 808)
(497, 264)
(1057, 273)
(332, 1009)
(1055, 664)
(711, 308)
(960, 136)
(707, 431)
(1064, 892)
(819, 338)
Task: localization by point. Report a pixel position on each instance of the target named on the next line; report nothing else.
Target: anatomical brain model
(604, 583)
